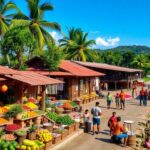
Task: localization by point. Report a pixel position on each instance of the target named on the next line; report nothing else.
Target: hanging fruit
(4, 88)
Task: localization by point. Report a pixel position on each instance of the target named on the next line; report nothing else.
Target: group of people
(117, 129)
(119, 99)
(143, 95)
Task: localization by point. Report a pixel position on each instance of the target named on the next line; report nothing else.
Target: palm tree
(140, 61)
(4, 16)
(35, 21)
(76, 46)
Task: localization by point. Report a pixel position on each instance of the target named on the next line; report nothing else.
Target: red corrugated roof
(78, 70)
(3, 79)
(6, 70)
(33, 79)
(107, 66)
(55, 73)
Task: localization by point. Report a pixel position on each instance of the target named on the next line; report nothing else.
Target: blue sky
(109, 22)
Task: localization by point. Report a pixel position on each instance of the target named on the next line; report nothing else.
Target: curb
(63, 143)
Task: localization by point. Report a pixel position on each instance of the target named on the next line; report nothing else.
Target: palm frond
(10, 6)
(36, 30)
(20, 22)
(51, 25)
(4, 27)
(20, 15)
(46, 7)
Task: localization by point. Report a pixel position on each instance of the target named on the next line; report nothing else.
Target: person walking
(141, 96)
(87, 125)
(109, 100)
(122, 100)
(117, 100)
(96, 112)
(145, 97)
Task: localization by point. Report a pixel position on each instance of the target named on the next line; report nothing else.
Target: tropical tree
(140, 61)
(35, 21)
(5, 16)
(52, 57)
(76, 46)
(16, 42)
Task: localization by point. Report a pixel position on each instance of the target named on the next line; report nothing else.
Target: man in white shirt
(96, 112)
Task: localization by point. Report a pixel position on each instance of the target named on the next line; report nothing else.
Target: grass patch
(147, 79)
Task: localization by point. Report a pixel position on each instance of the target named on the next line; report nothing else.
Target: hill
(134, 48)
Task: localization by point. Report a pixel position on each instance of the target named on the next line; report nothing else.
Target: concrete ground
(102, 141)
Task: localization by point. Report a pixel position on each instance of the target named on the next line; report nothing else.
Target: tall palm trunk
(19, 57)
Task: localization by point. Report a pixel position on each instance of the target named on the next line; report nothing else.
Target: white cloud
(107, 42)
(57, 36)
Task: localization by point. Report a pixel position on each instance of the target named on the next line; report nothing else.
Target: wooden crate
(77, 124)
(47, 145)
(71, 128)
(57, 139)
(64, 134)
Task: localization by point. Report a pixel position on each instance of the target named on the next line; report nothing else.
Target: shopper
(109, 100)
(145, 97)
(87, 123)
(111, 122)
(120, 131)
(117, 100)
(96, 112)
(122, 100)
(141, 96)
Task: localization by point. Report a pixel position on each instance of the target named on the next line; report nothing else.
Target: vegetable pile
(8, 145)
(31, 145)
(66, 120)
(52, 115)
(8, 137)
(44, 135)
(12, 127)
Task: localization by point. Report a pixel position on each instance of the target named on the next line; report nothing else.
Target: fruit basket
(12, 128)
(48, 126)
(9, 137)
(71, 128)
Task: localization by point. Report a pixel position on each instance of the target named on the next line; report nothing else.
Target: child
(117, 98)
(86, 116)
(87, 125)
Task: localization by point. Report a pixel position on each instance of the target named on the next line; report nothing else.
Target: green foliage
(52, 57)
(32, 129)
(14, 110)
(76, 46)
(16, 42)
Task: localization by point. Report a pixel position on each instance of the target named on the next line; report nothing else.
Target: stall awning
(5, 70)
(78, 70)
(33, 79)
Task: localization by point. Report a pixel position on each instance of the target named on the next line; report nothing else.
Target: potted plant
(31, 133)
(21, 135)
(12, 113)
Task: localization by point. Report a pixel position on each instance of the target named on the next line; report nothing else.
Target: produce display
(3, 121)
(3, 110)
(31, 105)
(65, 120)
(74, 105)
(67, 105)
(21, 132)
(31, 145)
(44, 135)
(8, 137)
(8, 145)
(27, 114)
(12, 127)
(52, 115)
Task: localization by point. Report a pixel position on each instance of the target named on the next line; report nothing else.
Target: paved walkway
(102, 141)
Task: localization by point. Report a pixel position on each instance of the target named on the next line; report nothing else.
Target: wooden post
(43, 97)
(115, 85)
(20, 93)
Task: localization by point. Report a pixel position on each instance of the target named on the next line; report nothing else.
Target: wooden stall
(78, 80)
(24, 83)
(116, 77)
